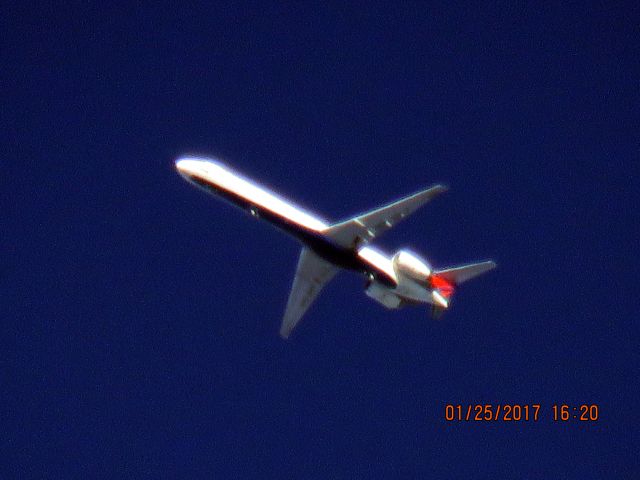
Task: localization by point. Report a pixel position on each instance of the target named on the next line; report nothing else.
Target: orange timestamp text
(515, 412)
(487, 412)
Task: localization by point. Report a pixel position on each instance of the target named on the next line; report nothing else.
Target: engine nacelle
(384, 295)
(408, 265)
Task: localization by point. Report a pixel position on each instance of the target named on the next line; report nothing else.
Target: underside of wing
(312, 274)
(365, 227)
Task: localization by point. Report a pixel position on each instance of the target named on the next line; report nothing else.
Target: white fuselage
(385, 283)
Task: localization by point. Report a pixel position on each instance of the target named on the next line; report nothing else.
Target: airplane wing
(365, 227)
(312, 274)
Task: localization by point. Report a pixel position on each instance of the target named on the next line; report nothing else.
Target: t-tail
(444, 282)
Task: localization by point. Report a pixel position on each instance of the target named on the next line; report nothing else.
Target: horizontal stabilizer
(367, 226)
(458, 275)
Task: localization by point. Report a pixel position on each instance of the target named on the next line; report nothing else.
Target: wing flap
(312, 274)
(367, 226)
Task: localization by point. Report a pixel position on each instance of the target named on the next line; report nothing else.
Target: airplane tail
(458, 275)
(444, 282)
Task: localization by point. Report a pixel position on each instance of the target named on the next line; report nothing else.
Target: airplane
(394, 281)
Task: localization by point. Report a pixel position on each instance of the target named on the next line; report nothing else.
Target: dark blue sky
(140, 317)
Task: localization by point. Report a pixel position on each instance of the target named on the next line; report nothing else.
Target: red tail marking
(445, 287)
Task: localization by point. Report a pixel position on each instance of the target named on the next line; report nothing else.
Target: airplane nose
(182, 165)
(188, 167)
(191, 168)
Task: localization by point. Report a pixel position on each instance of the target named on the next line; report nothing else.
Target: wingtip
(439, 188)
(284, 333)
(432, 191)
